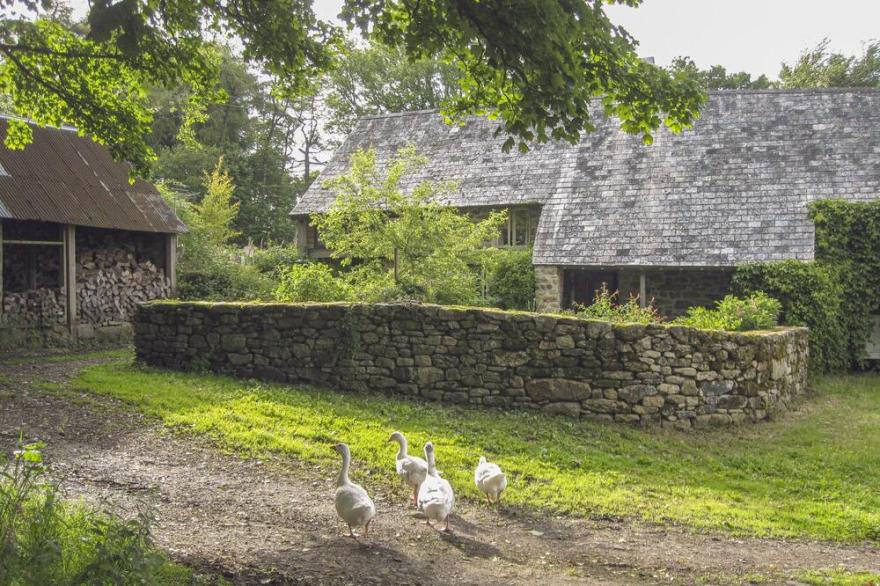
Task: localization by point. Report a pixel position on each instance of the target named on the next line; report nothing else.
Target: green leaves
(538, 64)
(98, 81)
(405, 242)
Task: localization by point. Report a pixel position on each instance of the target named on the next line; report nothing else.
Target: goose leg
(351, 533)
(416, 496)
(446, 529)
(488, 498)
(367, 528)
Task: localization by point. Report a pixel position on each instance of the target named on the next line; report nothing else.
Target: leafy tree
(404, 244)
(536, 64)
(378, 80)
(717, 77)
(254, 132)
(819, 67)
(97, 81)
(215, 213)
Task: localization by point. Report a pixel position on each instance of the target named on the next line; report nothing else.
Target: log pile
(34, 308)
(111, 281)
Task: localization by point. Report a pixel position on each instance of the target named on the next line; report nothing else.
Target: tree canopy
(403, 242)
(717, 76)
(536, 64)
(820, 67)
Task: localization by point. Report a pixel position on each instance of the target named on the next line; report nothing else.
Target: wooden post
(171, 261)
(302, 237)
(643, 291)
(70, 275)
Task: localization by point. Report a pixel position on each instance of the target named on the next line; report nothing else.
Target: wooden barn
(80, 245)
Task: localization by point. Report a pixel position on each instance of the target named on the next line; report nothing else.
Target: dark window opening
(580, 286)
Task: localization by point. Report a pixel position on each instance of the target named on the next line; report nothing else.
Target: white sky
(743, 35)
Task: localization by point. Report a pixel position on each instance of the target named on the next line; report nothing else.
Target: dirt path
(274, 523)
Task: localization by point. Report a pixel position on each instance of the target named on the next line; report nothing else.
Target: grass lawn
(815, 473)
(65, 357)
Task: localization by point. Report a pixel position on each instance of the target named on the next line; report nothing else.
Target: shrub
(810, 294)
(311, 282)
(509, 278)
(606, 307)
(756, 312)
(275, 259)
(848, 243)
(224, 280)
(44, 540)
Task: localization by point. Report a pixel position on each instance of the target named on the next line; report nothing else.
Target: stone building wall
(651, 375)
(548, 288)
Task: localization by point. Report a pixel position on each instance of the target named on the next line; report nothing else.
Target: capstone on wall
(650, 375)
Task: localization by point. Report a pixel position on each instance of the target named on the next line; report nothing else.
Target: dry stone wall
(650, 375)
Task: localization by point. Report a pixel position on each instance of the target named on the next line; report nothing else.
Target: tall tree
(819, 67)
(536, 64)
(97, 81)
(378, 80)
(717, 77)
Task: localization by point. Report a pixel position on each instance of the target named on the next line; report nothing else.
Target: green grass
(120, 353)
(838, 577)
(815, 473)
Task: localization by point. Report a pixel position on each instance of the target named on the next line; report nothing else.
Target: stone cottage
(667, 221)
(79, 244)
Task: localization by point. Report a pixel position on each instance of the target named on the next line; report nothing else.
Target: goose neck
(402, 448)
(342, 479)
(431, 470)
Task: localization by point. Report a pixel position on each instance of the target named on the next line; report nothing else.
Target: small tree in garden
(407, 240)
(215, 213)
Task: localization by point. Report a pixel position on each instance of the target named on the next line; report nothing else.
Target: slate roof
(733, 189)
(65, 178)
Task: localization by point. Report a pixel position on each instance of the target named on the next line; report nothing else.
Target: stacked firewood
(35, 307)
(112, 281)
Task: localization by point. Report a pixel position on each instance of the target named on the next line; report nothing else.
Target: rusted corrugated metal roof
(62, 177)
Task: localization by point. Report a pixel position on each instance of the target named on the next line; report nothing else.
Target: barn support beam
(643, 290)
(69, 264)
(171, 262)
(302, 236)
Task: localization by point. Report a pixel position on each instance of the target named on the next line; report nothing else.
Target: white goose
(353, 504)
(411, 469)
(490, 480)
(436, 498)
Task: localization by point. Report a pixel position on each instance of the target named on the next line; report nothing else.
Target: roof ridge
(65, 127)
(719, 92)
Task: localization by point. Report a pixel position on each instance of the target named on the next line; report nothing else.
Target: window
(522, 224)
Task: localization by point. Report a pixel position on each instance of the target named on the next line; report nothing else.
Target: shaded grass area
(812, 474)
(70, 356)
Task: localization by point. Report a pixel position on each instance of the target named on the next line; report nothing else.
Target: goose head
(482, 459)
(341, 448)
(396, 437)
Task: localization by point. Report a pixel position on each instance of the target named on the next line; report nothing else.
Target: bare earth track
(274, 522)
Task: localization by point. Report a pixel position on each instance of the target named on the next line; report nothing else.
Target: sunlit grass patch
(838, 577)
(813, 474)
